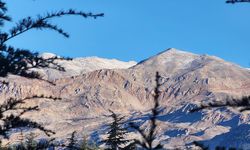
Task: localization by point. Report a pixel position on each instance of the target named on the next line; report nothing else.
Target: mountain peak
(174, 51)
(171, 55)
(167, 62)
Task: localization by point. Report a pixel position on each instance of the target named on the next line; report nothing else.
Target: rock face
(89, 90)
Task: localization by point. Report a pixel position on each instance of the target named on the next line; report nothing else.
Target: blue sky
(137, 29)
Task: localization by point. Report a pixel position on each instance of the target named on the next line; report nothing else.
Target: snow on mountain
(187, 80)
(47, 55)
(79, 66)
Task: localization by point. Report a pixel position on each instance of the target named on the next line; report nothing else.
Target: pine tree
(11, 121)
(116, 134)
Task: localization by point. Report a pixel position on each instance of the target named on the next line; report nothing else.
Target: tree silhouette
(116, 134)
(148, 139)
(237, 1)
(243, 104)
(11, 121)
(19, 61)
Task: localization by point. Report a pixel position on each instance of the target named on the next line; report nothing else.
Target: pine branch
(12, 121)
(3, 6)
(15, 121)
(235, 103)
(41, 22)
(11, 103)
(3, 16)
(21, 61)
(236, 1)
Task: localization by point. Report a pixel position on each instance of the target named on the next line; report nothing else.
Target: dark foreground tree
(148, 138)
(242, 104)
(15, 120)
(116, 139)
(200, 146)
(19, 61)
(237, 1)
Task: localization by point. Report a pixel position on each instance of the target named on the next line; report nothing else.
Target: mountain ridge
(187, 80)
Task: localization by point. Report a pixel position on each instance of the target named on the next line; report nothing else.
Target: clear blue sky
(137, 29)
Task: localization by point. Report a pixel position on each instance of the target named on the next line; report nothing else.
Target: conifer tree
(116, 139)
(11, 121)
(18, 61)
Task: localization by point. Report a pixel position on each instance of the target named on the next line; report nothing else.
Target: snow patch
(81, 65)
(47, 55)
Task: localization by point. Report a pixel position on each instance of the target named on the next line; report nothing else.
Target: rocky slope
(89, 90)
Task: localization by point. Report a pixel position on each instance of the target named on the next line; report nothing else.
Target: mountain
(91, 87)
(78, 66)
